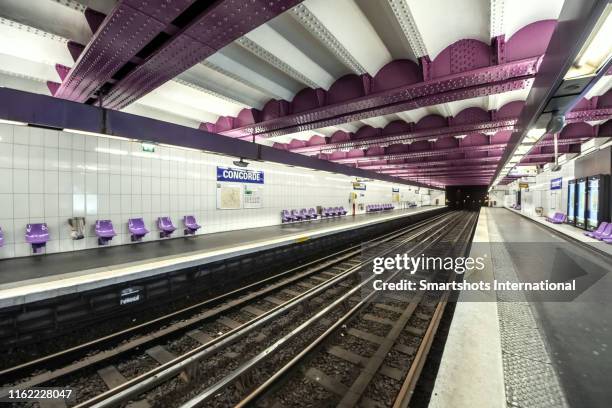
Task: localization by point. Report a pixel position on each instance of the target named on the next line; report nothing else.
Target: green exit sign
(148, 147)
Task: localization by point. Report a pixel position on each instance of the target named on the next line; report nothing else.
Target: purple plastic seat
(166, 228)
(304, 214)
(597, 233)
(326, 212)
(104, 231)
(296, 215)
(606, 235)
(335, 211)
(137, 229)
(37, 235)
(342, 211)
(286, 216)
(1, 238)
(559, 219)
(313, 213)
(191, 226)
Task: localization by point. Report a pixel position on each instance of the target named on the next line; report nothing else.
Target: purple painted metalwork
(124, 32)
(37, 235)
(104, 231)
(220, 24)
(94, 19)
(479, 82)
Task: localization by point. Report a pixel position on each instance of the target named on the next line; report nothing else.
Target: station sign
(395, 189)
(523, 185)
(556, 183)
(233, 175)
(359, 186)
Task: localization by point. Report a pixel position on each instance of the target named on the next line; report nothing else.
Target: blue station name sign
(240, 175)
(556, 184)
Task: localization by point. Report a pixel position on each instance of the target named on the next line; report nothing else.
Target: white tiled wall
(540, 194)
(50, 176)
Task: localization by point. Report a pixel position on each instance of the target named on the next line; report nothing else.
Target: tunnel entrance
(466, 197)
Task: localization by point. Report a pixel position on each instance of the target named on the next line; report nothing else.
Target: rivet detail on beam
(32, 30)
(238, 78)
(209, 92)
(276, 62)
(404, 17)
(302, 14)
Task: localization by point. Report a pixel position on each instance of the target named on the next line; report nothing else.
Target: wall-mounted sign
(523, 185)
(395, 189)
(556, 183)
(148, 147)
(130, 295)
(239, 175)
(359, 186)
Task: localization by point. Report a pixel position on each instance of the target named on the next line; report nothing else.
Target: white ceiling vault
(311, 45)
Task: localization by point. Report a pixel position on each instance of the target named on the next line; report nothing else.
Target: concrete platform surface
(547, 351)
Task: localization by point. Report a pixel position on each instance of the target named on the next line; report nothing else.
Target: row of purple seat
(557, 218)
(37, 235)
(310, 214)
(299, 215)
(602, 233)
(379, 207)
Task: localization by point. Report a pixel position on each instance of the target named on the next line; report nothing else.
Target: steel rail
(162, 373)
(214, 389)
(406, 392)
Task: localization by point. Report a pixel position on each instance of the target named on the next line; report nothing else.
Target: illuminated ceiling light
(12, 122)
(84, 132)
(597, 49)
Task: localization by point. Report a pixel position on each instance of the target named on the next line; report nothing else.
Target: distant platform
(34, 278)
(522, 349)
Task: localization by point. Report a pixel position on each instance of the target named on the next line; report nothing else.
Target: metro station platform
(529, 349)
(577, 234)
(36, 278)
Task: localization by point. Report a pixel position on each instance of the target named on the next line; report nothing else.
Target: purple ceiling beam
(425, 153)
(439, 169)
(450, 131)
(219, 25)
(130, 26)
(470, 84)
(509, 123)
(142, 44)
(425, 164)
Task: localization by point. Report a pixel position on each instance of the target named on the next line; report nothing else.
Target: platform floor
(547, 350)
(570, 231)
(34, 278)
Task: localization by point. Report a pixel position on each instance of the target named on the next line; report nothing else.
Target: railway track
(105, 367)
(370, 356)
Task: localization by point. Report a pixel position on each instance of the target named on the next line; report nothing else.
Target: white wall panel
(50, 176)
